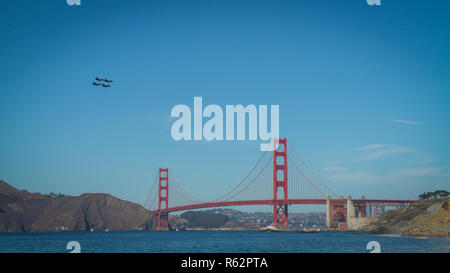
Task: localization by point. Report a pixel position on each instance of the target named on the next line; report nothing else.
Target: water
(216, 241)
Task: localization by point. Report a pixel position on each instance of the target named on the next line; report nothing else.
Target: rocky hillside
(21, 211)
(424, 218)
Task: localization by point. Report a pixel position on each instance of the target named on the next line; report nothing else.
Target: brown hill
(21, 211)
(424, 218)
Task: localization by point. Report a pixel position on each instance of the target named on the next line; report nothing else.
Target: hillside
(204, 219)
(21, 211)
(424, 218)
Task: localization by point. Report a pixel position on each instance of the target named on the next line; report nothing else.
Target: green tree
(204, 219)
(432, 195)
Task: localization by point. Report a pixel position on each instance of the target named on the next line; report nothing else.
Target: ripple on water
(218, 241)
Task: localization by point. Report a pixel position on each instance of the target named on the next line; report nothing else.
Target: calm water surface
(216, 241)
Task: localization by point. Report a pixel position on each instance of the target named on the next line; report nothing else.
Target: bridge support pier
(328, 219)
(163, 221)
(350, 213)
(336, 213)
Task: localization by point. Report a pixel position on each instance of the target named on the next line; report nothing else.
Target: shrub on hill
(204, 219)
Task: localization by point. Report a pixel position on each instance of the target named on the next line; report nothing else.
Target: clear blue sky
(364, 92)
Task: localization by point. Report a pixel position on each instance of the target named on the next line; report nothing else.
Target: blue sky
(363, 92)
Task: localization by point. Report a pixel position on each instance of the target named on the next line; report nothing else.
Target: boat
(309, 231)
(269, 229)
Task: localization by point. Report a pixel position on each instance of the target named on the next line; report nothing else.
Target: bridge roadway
(270, 202)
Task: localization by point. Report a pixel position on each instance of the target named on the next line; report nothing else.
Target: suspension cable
(305, 176)
(253, 180)
(303, 162)
(153, 202)
(150, 193)
(242, 181)
(188, 195)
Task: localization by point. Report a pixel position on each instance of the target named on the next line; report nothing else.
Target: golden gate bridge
(265, 185)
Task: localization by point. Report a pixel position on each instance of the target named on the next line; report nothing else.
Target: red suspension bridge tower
(163, 199)
(280, 181)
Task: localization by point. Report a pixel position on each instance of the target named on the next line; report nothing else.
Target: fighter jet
(96, 84)
(106, 80)
(99, 79)
(106, 85)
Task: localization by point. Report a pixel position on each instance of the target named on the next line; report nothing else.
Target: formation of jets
(98, 82)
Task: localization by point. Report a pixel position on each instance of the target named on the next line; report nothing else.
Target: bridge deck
(271, 202)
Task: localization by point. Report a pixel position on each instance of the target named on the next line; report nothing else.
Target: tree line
(204, 219)
(432, 195)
